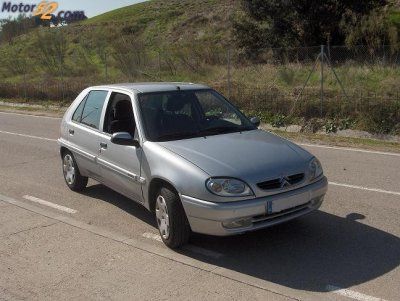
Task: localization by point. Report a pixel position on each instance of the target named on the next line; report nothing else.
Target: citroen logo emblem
(285, 182)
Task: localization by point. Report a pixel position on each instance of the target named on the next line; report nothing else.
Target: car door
(84, 135)
(120, 164)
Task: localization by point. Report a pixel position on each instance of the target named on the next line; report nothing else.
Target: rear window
(92, 108)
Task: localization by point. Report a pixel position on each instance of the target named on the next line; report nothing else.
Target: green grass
(395, 17)
(29, 102)
(33, 111)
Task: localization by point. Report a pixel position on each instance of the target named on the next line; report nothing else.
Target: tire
(171, 215)
(73, 178)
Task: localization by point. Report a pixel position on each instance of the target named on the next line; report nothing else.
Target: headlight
(228, 187)
(314, 169)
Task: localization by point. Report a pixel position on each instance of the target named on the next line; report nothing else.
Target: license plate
(269, 206)
(287, 202)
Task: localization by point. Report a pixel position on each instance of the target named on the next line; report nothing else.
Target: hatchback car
(189, 156)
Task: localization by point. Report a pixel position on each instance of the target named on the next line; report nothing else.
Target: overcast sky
(91, 7)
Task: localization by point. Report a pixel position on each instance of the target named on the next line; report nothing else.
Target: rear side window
(78, 112)
(92, 109)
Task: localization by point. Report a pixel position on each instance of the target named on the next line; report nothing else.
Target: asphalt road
(349, 249)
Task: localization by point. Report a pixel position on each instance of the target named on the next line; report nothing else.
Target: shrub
(278, 121)
(331, 126)
(383, 118)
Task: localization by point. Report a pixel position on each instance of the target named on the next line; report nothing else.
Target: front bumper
(213, 218)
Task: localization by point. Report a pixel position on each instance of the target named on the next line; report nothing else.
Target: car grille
(281, 182)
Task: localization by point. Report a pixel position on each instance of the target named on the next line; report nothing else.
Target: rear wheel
(72, 176)
(171, 219)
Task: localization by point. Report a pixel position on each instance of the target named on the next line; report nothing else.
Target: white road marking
(28, 136)
(203, 251)
(351, 149)
(152, 236)
(191, 248)
(364, 188)
(29, 115)
(49, 204)
(351, 294)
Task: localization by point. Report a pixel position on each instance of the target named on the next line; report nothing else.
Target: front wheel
(72, 176)
(171, 219)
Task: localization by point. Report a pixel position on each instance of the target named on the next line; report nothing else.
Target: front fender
(160, 163)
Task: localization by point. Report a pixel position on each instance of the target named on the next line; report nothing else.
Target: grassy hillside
(160, 22)
(130, 43)
(188, 40)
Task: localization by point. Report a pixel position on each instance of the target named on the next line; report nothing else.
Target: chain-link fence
(309, 82)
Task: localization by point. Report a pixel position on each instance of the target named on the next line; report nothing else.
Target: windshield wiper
(204, 132)
(223, 130)
(182, 135)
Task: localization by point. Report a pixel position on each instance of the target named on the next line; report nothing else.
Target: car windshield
(186, 114)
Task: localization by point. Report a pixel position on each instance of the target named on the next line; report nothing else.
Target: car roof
(154, 87)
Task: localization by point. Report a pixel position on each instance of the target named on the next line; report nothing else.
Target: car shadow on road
(101, 192)
(307, 254)
(311, 252)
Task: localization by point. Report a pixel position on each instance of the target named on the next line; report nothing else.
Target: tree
(294, 23)
(51, 50)
(373, 30)
(11, 28)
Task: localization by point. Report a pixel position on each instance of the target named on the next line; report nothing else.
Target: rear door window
(91, 113)
(78, 112)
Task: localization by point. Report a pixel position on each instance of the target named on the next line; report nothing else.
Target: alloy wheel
(162, 217)
(69, 169)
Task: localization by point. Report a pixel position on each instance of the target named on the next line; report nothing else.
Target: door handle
(103, 145)
(71, 132)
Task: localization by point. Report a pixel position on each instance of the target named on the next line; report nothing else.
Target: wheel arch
(63, 150)
(155, 184)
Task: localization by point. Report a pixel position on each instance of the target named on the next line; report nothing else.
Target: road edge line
(351, 294)
(28, 136)
(377, 190)
(350, 149)
(30, 115)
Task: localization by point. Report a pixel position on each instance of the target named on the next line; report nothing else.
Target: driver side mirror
(255, 121)
(124, 138)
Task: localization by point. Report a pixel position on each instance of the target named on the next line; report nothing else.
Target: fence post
(229, 73)
(25, 88)
(322, 78)
(62, 77)
(159, 65)
(105, 65)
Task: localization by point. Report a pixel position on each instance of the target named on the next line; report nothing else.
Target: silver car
(189, 156)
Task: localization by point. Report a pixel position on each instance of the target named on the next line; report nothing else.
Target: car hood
(252, 156)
